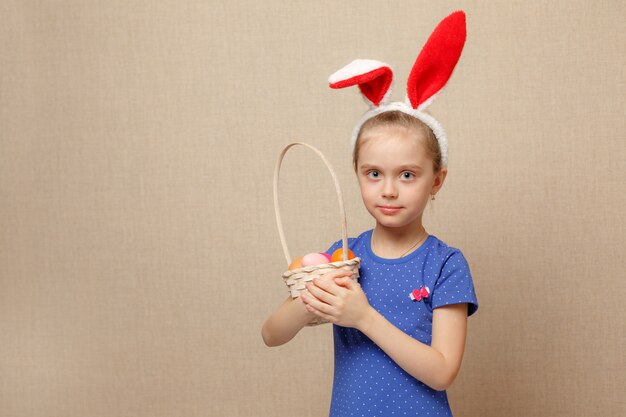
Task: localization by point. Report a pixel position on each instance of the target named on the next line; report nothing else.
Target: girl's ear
(439, 179)
(372, 77)
(434, 65)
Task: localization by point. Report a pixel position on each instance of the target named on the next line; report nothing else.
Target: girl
(400, 332)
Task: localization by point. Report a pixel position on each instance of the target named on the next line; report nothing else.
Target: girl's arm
(288, 319)
(436, 365)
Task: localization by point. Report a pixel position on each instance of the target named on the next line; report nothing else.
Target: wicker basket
(296, 279)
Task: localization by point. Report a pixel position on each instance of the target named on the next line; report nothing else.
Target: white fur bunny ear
(373, 78)
(435, 63)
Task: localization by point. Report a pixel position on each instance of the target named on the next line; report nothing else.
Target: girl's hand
(337, 298)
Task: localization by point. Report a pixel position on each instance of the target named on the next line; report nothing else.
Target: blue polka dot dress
(367, 382)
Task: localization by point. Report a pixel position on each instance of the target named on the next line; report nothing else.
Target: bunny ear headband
(431, 71)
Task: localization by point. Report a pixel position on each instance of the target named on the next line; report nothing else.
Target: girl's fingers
(320, 314)
(325, 285)
(319, 292)
(331, 276)
(346, 282)
(328, 284)
(312, 302)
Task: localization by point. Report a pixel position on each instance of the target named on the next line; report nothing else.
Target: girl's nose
(389, 190)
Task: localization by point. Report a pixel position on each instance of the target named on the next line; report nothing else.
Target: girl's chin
(395, 222)
(391, 223)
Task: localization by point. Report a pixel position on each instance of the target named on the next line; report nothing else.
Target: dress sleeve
(455, 285)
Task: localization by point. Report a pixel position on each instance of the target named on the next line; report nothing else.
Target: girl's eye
(407, 175)
(373, 174)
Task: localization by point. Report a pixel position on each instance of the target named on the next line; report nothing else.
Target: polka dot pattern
(369, 383)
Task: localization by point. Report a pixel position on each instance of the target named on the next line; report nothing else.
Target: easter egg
(295, 264)
(314, 259)
(338, 255)
(329, 257)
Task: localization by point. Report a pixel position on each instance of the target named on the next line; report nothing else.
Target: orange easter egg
(338, 255)
(295, 264)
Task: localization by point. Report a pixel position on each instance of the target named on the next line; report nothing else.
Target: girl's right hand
(328, 278)
(337, 298)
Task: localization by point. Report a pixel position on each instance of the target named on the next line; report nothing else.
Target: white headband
(431, 71)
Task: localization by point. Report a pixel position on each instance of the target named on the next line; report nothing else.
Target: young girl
(399, 333)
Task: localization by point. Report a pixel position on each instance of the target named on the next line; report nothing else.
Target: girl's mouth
(389, 210)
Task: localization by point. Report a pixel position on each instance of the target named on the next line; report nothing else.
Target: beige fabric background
(138, 249)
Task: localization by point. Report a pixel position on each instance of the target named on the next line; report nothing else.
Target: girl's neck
(395, 242)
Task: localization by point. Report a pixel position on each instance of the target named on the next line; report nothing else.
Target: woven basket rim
(312, 268)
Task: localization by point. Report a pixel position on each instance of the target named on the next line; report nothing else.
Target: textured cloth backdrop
(139, 254)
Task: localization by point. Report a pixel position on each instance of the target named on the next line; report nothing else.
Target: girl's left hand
(339, 300)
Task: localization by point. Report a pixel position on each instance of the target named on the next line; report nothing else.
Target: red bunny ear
(373, 78)
(435, 63)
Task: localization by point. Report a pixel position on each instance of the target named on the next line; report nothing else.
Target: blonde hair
(401, 119)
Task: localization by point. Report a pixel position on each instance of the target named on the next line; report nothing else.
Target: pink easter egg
(328, 256)
(314, 259)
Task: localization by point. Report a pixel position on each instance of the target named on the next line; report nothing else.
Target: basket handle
(342, 211)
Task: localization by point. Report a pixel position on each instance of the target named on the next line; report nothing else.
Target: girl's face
(396, 177)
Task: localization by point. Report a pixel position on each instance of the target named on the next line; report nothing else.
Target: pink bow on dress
(417, 295)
